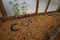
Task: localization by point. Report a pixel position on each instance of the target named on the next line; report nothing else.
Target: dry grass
(38, 27)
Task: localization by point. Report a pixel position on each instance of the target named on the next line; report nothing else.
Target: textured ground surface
(38, 27)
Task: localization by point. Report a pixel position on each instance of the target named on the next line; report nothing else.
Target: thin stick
(47, 5)
(2, 9)
(37, 6)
